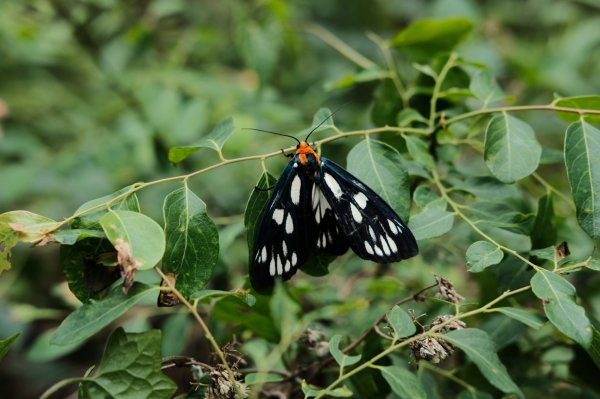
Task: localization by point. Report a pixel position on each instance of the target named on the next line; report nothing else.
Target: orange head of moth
(303, 149)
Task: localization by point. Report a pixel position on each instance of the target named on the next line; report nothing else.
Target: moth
(317, 206)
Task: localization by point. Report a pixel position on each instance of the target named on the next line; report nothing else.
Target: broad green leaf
(262, 378)
(401, 322)
(90, 267)
(130, 367)
(485, 88)
(431, 223)
(213, 140)
(41, 350)
(552, 156)
(95, 315)
(350, 80)
(6, 343)
(135, 236)
(479, 347)
(560, 307)
(582, 148)
(473, 394)
(312, 391)
(548, 253)
(91, 219)
(579, 102)
(418, 150)
(404, 383)
(192, 241)
(502, 330)
(380, 166)
(594, 264)
(28, 226)
(255, 206)
(530, 319)
(511, 150)
(482, 254)
(71, 236)
(342, 359)
(543, 231)
(426, 37)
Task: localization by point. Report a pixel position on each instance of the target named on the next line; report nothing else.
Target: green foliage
(443, 120)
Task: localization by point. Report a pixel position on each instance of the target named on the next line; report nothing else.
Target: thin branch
(206, 330)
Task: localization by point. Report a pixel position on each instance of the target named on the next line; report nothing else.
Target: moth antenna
(277, 133)
(324, 120)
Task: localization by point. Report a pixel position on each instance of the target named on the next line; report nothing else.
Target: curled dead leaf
(127, 263)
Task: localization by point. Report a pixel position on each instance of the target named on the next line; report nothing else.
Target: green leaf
(543, 231)
(28, 226)
(482, 254)
(95, 315)
(560, 307)
(530, 319)
(473, 394)
(71, 236)
(582, 146)
(91, 220)
(312, 391)
(323, 116)
(478, 345)
(594, 264)
(424, 197)
(255, 206)
(485, 88)
(579, 102)
(426, 37)
(6, 343)
(192, 241)
(404, 383)
(505, 215)
(380, 166)
(350, 80)
(418, 150)
(130, 367)
(82, 264)
(431, 223)
(342, 359)
(213, 140)
(408, 116)
(144, 238)
(176, 330)
(511, 149)
(401, 322)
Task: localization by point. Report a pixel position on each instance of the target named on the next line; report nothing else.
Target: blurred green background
(94, 93)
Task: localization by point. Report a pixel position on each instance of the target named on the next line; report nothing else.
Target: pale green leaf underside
(482, 254)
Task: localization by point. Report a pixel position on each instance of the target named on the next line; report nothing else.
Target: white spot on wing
(333, 185)
(289, 224)
(361, 200)
(368, 248)
(378, 251)
(279, 266)
(294, 259)
(272, 267)
(295, 190)
(263, 255)
(287, 266)
(385, 246)
(393, 226)
(278, 216)
(356, 213)
(372, 234)
(284, 247)
(393, 245)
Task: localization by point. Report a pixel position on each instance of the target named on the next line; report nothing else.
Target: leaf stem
(437, 88)
(211, 339)
(59, 385)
